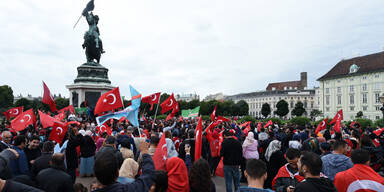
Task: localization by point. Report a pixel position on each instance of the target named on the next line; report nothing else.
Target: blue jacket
(334, 163)
(251, 189)
(143, 183)
(19, 166)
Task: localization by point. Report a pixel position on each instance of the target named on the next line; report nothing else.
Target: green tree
(6, 96)
(265, 110)
(315, 113)
(282, 108)
(61, 103)
(359, 114)
(243, 108)
(299, 109)
(27, 104)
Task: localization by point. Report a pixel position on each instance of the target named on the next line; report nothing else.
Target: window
(351, 79)
(351, 88)
(291, 104)
(364, 87)
(339, 99)
(365, 99)
(312, 105)
(305, 104)
(377, 97)
(351, 99)
(338, 89)
(365, 77)
(327, 99)
(377, 76)
(338, 81)
(327, 109)
(352, 108)
(378, 108)
(365, 108)
(377, 86)
(377, 117)
(327, 90)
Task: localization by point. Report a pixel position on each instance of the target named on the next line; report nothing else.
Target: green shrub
(302, 121)
(379, 123)
(364, 122)
(247, 118)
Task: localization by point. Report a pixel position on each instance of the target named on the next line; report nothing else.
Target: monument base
(80, 92)
(91, 82)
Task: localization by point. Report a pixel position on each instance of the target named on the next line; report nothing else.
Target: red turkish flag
(60, 116)
(259, 127)
(322, 125)
(378, 131)
(247, 126)
(46, 120)
(109, 101)
(198, 139)
(151, 99)
(213, 115)
(23, 120)
(104, 128)
(58, 132)
(13, 112)
(338, 116)
(68, 108)
(268, 123)
(161, 154)
(337, 126)
(168, 104)
(222, 119)
(48, 98)
(173, 113)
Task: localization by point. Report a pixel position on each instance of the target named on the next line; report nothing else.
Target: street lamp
(382, 108)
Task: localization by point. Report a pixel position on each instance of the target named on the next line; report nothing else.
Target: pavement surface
(219, 182)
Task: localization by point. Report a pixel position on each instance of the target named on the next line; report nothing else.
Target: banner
(82, 110)
(190, 112)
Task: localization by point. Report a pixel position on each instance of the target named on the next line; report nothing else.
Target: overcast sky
(202, 46)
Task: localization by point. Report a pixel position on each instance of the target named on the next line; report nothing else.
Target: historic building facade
(353, 85)
(290, 91)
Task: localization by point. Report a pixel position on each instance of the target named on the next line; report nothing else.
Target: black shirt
(231, 151)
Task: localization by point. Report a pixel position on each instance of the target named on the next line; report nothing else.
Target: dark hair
(312, 161)
(161, 181)
(34, 137)
(360, 156)
(325, 146)
(48, 146)
(154, 140)
(78, 187)
(110, 140)
(57, 161)
(255, 168)
(365, 140)
(227, 133)
(19, 140)
(106, 167)
(191, 133)
(125, 143)
(339, 144)
(292, 153)
(200, 176)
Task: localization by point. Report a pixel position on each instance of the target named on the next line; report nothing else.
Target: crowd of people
(282, 158)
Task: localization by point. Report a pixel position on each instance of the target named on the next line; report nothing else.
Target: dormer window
(354, 68)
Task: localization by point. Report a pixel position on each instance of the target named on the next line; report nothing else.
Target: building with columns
(353, 85)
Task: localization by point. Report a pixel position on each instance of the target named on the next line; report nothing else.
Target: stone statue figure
(92, 43)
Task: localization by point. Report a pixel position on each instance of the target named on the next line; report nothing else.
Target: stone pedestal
(91, 82)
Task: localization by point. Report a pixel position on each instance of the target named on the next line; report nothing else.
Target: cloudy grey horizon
(174, 46)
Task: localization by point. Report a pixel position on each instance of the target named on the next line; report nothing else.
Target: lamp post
(382, 108)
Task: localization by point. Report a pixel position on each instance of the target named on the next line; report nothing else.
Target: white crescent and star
(101, 128)
(171, 103)
(61, 130)
(16, 111)
(162, 148)
(29, 117)
(114, 99)
(154, 99)
(323, 123)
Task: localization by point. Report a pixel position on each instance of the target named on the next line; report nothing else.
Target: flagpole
(157, 107)
(77, 21)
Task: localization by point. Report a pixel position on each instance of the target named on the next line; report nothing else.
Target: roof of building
(366, 64)
(281, 85)
(268, 93)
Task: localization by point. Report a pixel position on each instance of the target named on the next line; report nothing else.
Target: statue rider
(93, 31)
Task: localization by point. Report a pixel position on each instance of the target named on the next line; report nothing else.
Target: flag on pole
(46, 120)
(58, 132)
(190, 112)
(198, 139)
(13, 112)
(68, 108)
(48, 98)
(151, 99)
(161, 154)
(173, 113)
(222, 119)
(23, 120)
(259, 127)
(338, 116)
(269, 123)
(168, 104)
(109, 101)
(322, 125)
(247, 126)
(213, 115)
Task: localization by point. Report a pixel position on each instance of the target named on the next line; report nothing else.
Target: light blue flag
(131, 112)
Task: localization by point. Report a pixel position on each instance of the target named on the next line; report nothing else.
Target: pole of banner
(157, 107)
(77, 21)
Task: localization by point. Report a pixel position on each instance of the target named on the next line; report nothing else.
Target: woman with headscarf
(250, 147)
(128, 171)
(177, 175)
(275, 159)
